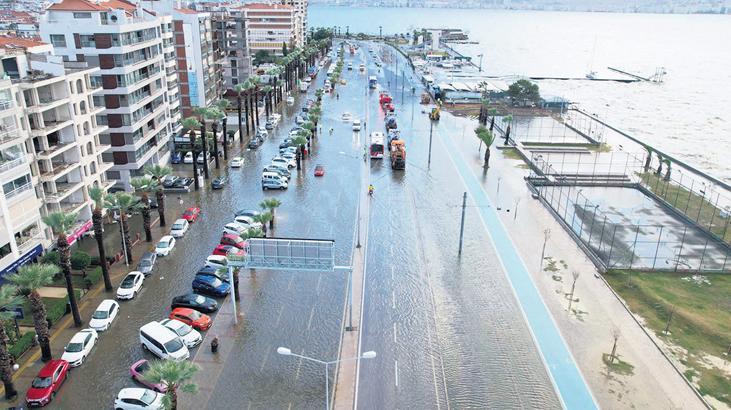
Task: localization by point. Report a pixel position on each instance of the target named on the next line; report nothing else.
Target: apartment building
(269, 26)
(300, 7)
(127, 43)
(50, 148)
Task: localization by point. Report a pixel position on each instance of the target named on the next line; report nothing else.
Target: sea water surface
(688, 115)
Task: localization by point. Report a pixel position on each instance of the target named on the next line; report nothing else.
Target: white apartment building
(129, 45)
(300, 7)
(268, 26)
(50, 149)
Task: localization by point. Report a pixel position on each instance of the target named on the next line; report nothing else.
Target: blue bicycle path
(570, 384)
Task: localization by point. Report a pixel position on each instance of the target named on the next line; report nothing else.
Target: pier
(635, 76)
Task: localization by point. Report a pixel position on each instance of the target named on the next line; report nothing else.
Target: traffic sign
(287, 254)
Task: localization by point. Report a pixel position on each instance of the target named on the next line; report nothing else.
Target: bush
(51, 257)
(55, 308)
(24, 343)
(95, 275)
(80, 260)
(94, 260)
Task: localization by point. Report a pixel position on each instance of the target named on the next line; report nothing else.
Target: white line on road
(263, 362)
(393, 299)
(319, 279)
(395, 370)
(279, 316)
(299, 366)
(394, 333)
(312, 314)
(392, 273)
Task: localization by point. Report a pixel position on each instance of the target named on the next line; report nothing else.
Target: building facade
(126, 42)
(269, 27)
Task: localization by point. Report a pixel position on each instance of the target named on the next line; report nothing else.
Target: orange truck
(398, 154)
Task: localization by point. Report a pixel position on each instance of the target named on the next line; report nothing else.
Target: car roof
(80, 336)
(205, 278)
(230, 236)
(215, 257)
(105, 305)
(180, 221)
(131, 393)
(183, 311)
(166, 238)
(50, 367)
(134, 272)
(167, 322)
(148, 255)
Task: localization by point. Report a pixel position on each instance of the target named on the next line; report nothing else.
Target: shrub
(94, 260)
(21, 346)
(55, 308)
(95, 275)
(80, 260)
(51, 257)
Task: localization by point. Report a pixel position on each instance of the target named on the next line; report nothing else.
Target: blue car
(176, 158)
(210, 285)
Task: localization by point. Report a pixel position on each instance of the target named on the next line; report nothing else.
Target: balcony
(71, 207)
(46, 103)
(8, 132)
(8, 165)
(19, 190)
(54, 150)
(5, 105)
(62, 191)
(50, 126)
(58, 170)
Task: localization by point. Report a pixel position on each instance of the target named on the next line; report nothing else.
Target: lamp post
(480, 68)
(287, 352)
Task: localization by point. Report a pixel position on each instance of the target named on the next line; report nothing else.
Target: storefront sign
(78, 232)
(26, 258)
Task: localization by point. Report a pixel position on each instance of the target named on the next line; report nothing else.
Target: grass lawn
(700, 324)
(691, 204)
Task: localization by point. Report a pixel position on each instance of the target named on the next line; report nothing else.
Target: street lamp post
(287, 352)
(480, 55)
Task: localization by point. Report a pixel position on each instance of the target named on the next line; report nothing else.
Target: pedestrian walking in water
(214, 344)
(337, 96)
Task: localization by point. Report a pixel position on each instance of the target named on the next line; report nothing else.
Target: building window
(58, 40)
(82, 15)
(5, 250)
(16, 186)
(234, 81)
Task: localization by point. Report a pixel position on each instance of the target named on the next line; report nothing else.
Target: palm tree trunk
(40, 321)
(256, 107)
(173, 398)
(195, 159)
(204, 149)
(63, 253)
(238, 108)
(96, 217)
(225, 138)
(160, 195)
(6, 365)
(236, 285)
(487, 156)
(146, 220)
(124, 228)
(215, 143)
(271, 221)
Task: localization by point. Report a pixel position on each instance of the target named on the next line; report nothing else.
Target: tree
(173, 375)
(299, 141)
(487, 138)
(261, 57)
(158, 173)
(191, 123)
(145, 185)
(284, 49)
(321, 34)
(97, 195)
(29, 279)
(263, 218)
(8, 300)
(648, 157)
(524, 90)
(667, 169)
(61, 223)
(125, 204)
(270, 204)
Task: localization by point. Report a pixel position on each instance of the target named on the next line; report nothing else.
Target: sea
(688, 115)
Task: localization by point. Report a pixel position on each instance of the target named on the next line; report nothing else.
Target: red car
(192, 318)
(47, 383)
(191, 214)
(233, 240)
(222, 250)
(319, 170)
(136, 371)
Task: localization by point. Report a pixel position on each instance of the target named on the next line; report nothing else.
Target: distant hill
(626, 6)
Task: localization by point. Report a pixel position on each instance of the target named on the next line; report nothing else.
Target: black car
(182, 182)
(147, 262)
(219, 182)
(211, 271)
(287, 143)
(255, 142)
(195, 301)
(247, 212)
(305, 109)
(168, 181)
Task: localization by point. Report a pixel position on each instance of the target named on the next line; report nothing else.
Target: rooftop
(18, 43)
(187, 11)
(87, 5)
(264, 6)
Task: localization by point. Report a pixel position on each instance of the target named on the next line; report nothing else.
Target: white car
(131, 285)
(187, 334)
(200, 157)
(188, 158)
(262, 130)
(135, 398)
(217, 261)
(247, 221)
(104, 315)
(346, 116)
(234, 228)
(283, 161)
(289, 156)
(237, 162)
(275, 118)
(79, 347)
(166, 244)
(179, 228)
(356, 125)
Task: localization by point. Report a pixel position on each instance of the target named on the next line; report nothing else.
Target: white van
(271, 176)
(356, 125)
(163, 342)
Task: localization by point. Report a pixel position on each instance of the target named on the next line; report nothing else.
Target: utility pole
(461, 226)
(402, 86)
(431, 126)
(480, 69)
(546, 235)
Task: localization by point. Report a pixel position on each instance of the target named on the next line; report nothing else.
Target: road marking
(291, 280)
(312, 314)
(279, 316)
(393, 299)
(263, 362)
(392, 277)
(394, 333)
(299, 366)
(319, 279)
(395, 370)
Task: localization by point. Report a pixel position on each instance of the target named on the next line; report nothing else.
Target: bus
(376, 148)
(372, 81)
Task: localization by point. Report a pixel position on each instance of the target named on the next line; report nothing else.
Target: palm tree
(508, 119)
(648, 158)
(222, 106)
(255, 82)
(29, 279)
(159, 172)
(173, 375)
(300, 142)
(125, 204)
(667, 170)
(267, 90)
(145, 185)
(61, 223)
(97, 195)
(239, 88)
(8, 300)
(263, 218)
(488, 138)
(191, 123)
(271, 204)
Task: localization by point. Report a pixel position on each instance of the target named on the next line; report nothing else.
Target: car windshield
(145, 262)
(216, 283)
(128, 282)
(162, 245)
(194, 315)
(149, 396)
(177, 226)
(100, 314)
(41, 382)
(199, 300)
(143, 367)
(173, 345)
(183, 330)
(74, 347)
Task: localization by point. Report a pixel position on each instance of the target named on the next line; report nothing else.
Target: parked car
(319, 170)
(262, 130)
(79, 347)
(191, 214)
(163, 342)
(247, 221)
(346, 116)
(176, 158)
(290, 156)
(288, 150)
(104, 315)
(215, 272)
(135, 398)
(147, 262)
(299, 120)
(289, 163)
(356, 125)
(233, 240)
(234, 229)
(247, 212)
(187, 334)
(166, 244)
(182, 183)
(280, 169)
(237, 162)
(194, 318)
(221, 250)
(137, 372)
(195, 301)
(47, 383)
(274, 184)
(219, 183)
(188, 158)
(131, 285)
(269, 125)
(209, 285)
(217, 261)
(179, 228)
(168, 181)
(255, 142)
(287, 143)
(200, 158)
